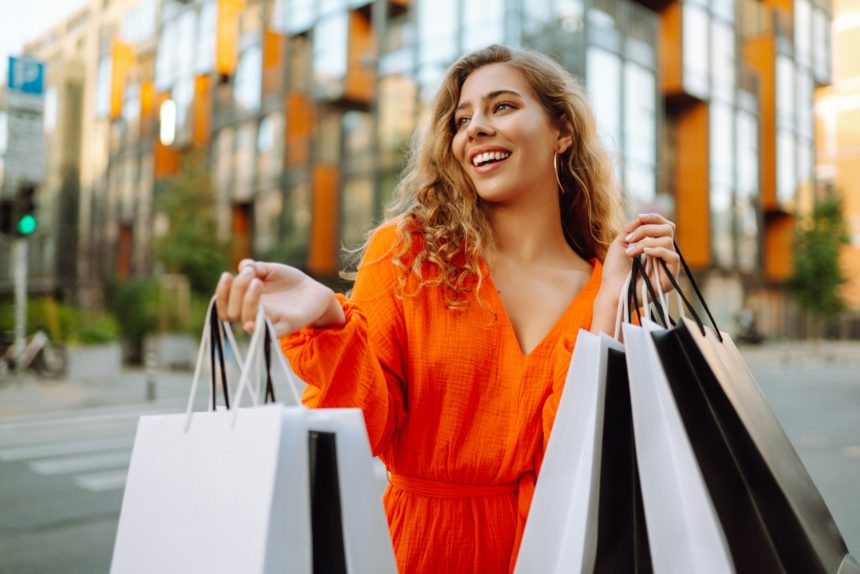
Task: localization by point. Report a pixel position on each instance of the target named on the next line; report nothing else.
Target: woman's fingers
(250, 303)
(639, 247)
(222, 293)
(237, 293)
(650, 230)
(645, 219)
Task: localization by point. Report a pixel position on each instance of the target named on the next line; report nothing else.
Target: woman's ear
(565, 138)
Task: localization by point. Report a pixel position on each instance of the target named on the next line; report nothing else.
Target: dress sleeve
(360, 363)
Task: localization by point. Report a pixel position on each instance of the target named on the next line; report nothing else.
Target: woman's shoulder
(396, 238)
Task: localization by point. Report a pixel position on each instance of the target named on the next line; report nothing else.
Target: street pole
(20, 249)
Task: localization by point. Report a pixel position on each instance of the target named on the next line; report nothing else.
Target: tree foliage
(817, 271)
(191, 246)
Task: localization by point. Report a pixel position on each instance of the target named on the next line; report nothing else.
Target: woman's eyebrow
(490, 96)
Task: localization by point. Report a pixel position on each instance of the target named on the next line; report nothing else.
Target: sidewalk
(34, 395)
(793, 353)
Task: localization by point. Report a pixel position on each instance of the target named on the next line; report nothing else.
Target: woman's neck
(528, 232)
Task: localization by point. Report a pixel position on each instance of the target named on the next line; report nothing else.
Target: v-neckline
(509, 326)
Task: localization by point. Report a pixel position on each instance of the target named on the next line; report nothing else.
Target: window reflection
(436, 32)
(483, 23)
(396, 113)
(206, 37)
(786, 180)
(803, 32)
(249, 79)
(746, 214)
(330, 35)
(300, 16)
(695, 42)
(103, 83)
(222, 162)
(603, 79)
(327, 141)
(723, 59)
(270, 147)
(244, 168)
(785, 88)
(722, 180)
(358, 214)
(358, 141)
(640, 140)
(300, 63)
(297, 223)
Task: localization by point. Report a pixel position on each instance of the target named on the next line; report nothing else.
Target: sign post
(24, 161)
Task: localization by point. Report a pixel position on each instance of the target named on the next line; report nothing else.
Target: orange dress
(455, 410)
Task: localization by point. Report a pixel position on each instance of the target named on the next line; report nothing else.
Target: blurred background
(148, 145)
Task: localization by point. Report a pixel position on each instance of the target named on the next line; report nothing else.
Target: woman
(459, 331)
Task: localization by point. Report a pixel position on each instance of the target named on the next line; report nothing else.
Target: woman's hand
(291, 299)
(649, 233)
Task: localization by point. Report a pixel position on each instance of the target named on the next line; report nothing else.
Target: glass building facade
(304, 111)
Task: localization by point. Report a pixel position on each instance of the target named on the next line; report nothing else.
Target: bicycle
(39, 355)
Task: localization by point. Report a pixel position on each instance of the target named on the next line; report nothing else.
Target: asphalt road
(62, 474)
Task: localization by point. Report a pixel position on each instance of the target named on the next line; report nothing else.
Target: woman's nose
(479, 126)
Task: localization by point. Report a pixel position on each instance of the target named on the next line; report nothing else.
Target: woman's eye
(461, 121)
(503, 106)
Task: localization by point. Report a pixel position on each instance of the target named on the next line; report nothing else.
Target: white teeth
(482, 158)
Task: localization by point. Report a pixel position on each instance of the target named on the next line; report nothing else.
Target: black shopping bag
(773, 516)
(329, 556)
(622, 538)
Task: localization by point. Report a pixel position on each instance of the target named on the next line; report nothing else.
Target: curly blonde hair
(438, 212)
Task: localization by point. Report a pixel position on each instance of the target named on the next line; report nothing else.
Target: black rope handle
(698, 293)
(639, 269)
(216, 346)
(267, 355)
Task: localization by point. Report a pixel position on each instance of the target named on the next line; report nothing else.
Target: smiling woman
(503, 243)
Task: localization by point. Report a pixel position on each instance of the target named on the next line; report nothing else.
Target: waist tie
(440, 489)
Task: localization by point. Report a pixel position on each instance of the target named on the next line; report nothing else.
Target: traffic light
(25, 215)
(7, 215)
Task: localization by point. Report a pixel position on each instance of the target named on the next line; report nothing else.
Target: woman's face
(503, 138)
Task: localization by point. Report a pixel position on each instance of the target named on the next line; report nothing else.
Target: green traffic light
(27, 225)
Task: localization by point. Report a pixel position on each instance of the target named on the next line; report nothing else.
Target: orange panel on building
(273, 69)
(671, 50)
(325, 218)
(360, 76)
(242, 233)
(692, 206)
(300, 122)
(201, 123)
(122, 56)
(165, 158)
(227, 40)
(779, 247)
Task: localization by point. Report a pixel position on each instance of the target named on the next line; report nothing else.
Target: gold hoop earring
(555, 167)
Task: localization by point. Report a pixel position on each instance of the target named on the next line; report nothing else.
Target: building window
(358, 141)
(437, 31)
(483, 23)
(103, 85)
(723, 60)
(297, 224)
(604, 87)
(640, 138)
(249, 79)
(397, 111)
(821, 45)
(246, 137)
(165, 62)
(330, 53)
(270, 147)
(695, 42)
(803, 32)
(206, 37)
(785, 91)
(358, 211)
(327, 142)
(222, 162)
(722, 182)
(746, 212)
(786, 178)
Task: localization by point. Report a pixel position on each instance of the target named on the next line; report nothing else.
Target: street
(63, 472)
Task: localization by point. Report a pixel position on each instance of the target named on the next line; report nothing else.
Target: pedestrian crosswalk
(89, 448)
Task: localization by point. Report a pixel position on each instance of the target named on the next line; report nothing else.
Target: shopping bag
(771, 514)
(586, 514)
(217, 491)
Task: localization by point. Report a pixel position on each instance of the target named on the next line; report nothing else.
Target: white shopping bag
(230, 490)
(561, 531)
(218, 491)
(683, 527)
(366, 538)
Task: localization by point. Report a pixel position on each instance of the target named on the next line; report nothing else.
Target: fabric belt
(440, 489)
